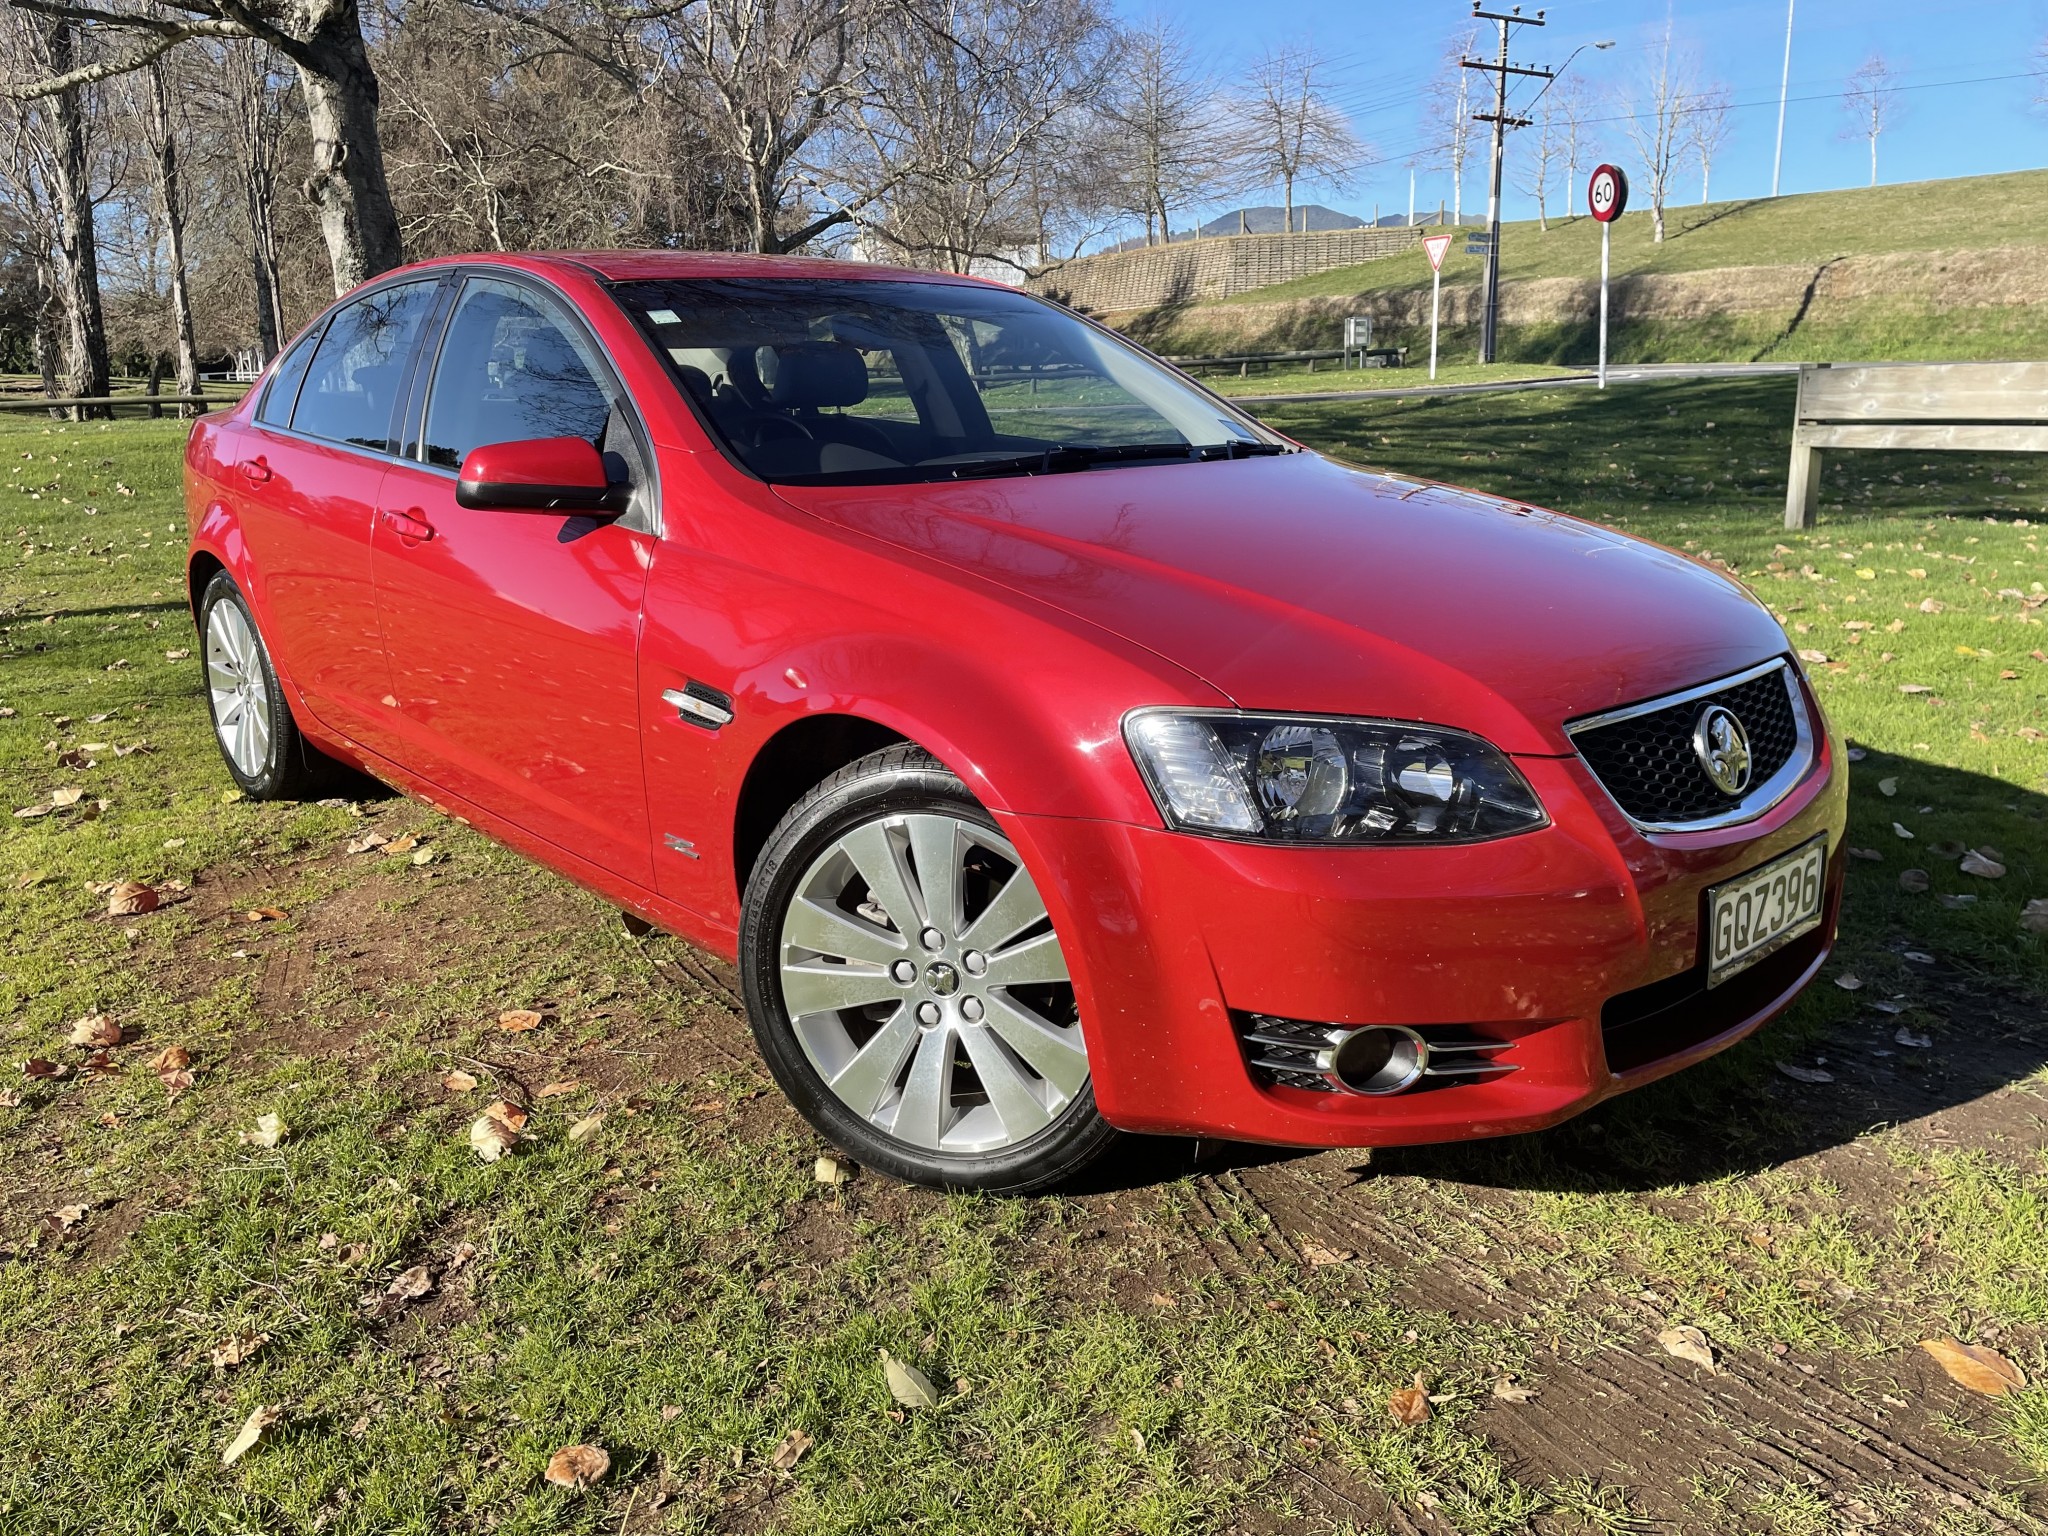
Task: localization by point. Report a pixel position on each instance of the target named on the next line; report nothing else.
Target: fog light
(1380, 1059)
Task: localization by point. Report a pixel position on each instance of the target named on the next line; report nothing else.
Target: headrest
(810, 374)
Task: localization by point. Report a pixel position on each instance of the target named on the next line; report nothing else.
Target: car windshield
(882, 381)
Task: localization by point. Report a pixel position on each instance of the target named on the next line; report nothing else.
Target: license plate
(1771, 905)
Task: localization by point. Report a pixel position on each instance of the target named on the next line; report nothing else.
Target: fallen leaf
(1902, 832)
(1410, 1405)
(1508, 1391)
(252, 1431)
(578, 1466)
(1869, 855)
(131, 898)
(791, 1451)
(1887, 787)
(1849, 982)
(518, 1020)
(265, 915)
(586, 1125)
(556, 1090)
(270, 1130)
(2034, 916)
(1904, 1035)
(97, 1031)
(1688, 1343)
(236, 1348)
(69, 1216)
(425, 856)
(178, 655)
(35, 1066)
(1800, 1074)
(1974, 863)
(404, 843)
(177, 1081)
(907, 1384)
(1976, 1367)
(507, 1114)
(830, 1170)
(70, 794)
(490, 1138)
(411, 1284)
(1915, 881)
(368, 842)
(171, 1058)
(458, 1081)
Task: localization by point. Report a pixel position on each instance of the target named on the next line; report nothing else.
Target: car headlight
(1305, 779)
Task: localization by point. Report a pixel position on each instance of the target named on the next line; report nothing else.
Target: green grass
(1280, 381)
(677, 1288)
(1802, 230)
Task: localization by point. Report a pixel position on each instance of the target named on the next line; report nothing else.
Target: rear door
(304, 486)
(513, 636)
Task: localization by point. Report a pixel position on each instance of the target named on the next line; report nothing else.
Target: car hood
(1295, 583)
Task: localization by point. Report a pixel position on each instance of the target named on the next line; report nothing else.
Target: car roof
(645, 266)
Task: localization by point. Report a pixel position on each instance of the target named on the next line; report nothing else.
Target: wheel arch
(790, 763)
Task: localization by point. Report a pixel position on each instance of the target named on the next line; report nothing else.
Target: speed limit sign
(1607, 193)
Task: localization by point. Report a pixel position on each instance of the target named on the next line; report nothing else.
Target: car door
(512, 637)
(304, 488)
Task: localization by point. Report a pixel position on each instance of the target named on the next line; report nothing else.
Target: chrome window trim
(1762, 797)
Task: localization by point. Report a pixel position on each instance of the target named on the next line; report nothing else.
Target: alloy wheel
(924, 982)
(236, 683)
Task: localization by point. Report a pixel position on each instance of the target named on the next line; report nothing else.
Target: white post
(1784, 88)
(1605, 230)
(1436, 293)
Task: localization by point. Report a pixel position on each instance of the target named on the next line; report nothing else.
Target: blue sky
(1958, 118)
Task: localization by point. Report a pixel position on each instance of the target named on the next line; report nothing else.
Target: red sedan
(1057, 749)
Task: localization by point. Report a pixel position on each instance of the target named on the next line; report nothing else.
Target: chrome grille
(1643, 755)
(1282, 1052)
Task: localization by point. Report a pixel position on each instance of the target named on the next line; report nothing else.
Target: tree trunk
(1657, 222)
(167, 186)
(348, 184)
(48, 338)
(1542, 215)
(85, 353)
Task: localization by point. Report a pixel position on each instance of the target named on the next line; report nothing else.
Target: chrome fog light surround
(1375, 1060)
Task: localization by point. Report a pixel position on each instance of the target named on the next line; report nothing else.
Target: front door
(513, 637)
(305, 482)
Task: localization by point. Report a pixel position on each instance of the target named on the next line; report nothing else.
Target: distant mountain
(1272, 220)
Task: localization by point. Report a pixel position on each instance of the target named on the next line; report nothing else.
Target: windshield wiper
(1063, 458)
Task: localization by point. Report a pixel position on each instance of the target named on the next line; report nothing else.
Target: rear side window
(512, 367)
(359, 368)
(275, 408)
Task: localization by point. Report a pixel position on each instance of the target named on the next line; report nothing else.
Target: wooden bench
(1925, 407)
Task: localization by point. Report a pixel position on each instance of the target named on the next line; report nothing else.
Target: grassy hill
(1927, 269)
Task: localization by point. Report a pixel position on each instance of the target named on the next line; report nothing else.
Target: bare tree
(1573, 106)
(1656, 106)
(324, 41)
(1706, 130)
(253, 102)
(1164, 111)
(161, 117)
(1290, 130)
(1538, 169)
(979, 113)
(1872, 103)
(1448, 116)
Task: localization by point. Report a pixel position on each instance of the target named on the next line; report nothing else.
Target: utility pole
(1784, 89)
(1490, 323)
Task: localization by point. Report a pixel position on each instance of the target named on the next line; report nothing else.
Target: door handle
(255, 471)
(409, 528)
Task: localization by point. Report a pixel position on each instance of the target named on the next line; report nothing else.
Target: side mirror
(542, 474)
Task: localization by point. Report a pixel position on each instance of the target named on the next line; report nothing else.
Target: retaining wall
(1158, 276)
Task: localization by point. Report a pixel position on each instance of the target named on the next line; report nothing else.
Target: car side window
(512, 368)
(275, 408)
(359, 368)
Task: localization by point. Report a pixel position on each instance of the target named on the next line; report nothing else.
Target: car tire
(908, 995)
(252, 720)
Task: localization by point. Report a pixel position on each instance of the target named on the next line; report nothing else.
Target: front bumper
(1172, 939)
